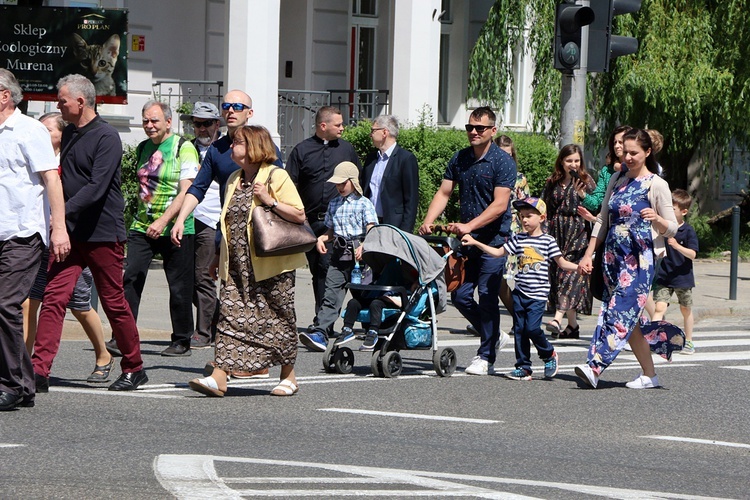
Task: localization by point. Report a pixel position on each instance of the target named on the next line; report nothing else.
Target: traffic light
(603, 45)
(569, 20)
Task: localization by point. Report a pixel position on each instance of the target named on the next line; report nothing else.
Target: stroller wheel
(444, 362)
(343, 360)
(392, 364)
(376, 364)
(328, 364)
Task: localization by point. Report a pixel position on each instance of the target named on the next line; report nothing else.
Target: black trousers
(318, 266)
(179, 268)
(19, 263)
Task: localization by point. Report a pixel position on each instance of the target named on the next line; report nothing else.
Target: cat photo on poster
(99, 62)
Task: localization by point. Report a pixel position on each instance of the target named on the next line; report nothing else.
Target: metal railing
(177, 93)
(296, 116)
(361, 104)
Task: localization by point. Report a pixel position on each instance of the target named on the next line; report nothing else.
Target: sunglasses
(205, 124)
(479, 128)
(237, 106)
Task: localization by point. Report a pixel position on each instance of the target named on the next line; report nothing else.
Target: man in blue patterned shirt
(485, 175)
(348, 218)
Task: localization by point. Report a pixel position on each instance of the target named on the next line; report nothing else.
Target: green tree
(690, 78)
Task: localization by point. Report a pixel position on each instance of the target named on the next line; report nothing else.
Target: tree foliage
(690, 78)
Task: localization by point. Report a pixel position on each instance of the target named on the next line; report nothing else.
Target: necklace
(245, 184)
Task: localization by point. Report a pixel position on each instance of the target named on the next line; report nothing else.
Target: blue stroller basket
(386, 250)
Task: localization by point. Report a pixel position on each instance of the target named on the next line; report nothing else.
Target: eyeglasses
(375, 130)
(237, 106)
(479, 128)
(204, 124)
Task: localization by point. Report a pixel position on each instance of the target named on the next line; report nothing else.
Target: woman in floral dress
(570, 292)
(257, 325)
(638, 217)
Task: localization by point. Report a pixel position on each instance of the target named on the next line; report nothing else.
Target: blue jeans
(527, 314)
(482, 273)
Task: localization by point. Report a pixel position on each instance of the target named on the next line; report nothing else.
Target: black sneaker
(197, 342)
(371, 340)
(112, 348)
(42, 383)
(176, 349)
(347, 335)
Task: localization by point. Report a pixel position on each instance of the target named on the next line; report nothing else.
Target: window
(366, 8)
(443, 79)
(447, 14)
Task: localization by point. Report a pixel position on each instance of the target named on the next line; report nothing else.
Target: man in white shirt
(28, 172)
(205, 120)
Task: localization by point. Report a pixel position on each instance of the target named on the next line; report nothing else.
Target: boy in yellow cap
(348, 218)
(534, 249)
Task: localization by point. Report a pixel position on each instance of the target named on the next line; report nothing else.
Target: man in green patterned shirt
(167, 165)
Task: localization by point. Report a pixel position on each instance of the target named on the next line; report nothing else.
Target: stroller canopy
(384, 243)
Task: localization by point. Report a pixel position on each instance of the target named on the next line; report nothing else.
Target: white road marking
(195, 477)
(699, 441)
(738, 367)
(8, 445)
(140, 393)
(411, 415)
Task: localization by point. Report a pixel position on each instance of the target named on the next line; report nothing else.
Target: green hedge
(434, 147)
(129, 180)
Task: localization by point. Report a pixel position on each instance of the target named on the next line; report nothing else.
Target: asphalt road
(418, 435)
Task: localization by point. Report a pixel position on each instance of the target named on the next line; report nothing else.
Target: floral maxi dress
(628, 267)
(257, 325)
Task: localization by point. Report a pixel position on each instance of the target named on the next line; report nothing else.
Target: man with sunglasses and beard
(485, 175)
(217, 165)
(205, 121)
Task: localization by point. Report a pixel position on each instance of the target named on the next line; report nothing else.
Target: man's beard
(204, 141)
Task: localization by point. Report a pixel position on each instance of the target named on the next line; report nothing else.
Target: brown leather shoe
(263, 373)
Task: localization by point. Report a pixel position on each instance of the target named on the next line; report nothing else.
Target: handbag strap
(269, 209)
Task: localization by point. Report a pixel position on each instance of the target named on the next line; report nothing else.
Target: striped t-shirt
(533, 254)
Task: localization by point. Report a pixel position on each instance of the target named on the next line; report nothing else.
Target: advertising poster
(42, 44)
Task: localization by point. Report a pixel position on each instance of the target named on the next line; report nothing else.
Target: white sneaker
(479, 366)
(502, 341)
(588, 376)
(644, 382)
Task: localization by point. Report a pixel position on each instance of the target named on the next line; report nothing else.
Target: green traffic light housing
(569, 20)
(603, 45)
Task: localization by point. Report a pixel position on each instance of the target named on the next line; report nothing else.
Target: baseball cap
(346, 171)
(531, 202)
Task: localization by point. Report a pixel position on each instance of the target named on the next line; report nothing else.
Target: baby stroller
(388, 251)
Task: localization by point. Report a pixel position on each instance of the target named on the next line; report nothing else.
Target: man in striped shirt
(534, 250)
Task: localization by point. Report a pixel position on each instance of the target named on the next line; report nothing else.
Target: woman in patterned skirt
(570, 293)
(636, 218)
(257, 325)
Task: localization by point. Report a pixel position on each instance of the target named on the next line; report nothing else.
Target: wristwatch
(274, 204)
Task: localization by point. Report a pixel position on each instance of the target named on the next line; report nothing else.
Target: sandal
(554, 328)
(101, 373)
(570, 332)
(207, 386)
(285, 388)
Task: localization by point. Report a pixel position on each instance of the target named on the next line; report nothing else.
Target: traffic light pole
(573, 95)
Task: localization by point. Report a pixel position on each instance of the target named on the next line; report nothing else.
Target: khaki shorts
(663, 293)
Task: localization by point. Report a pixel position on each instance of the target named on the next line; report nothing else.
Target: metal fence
(179, 93)
(296, 116)
(357, 105)
(297, 108)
